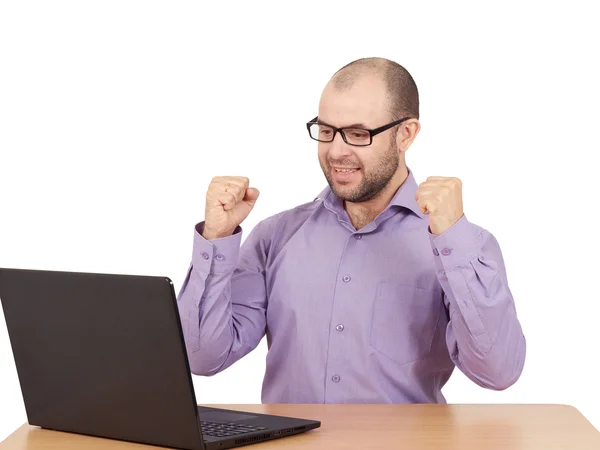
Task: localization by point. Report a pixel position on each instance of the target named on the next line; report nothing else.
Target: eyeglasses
(357, 136)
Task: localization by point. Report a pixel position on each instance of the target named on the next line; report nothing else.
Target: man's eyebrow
(354, 125)
(357, 125)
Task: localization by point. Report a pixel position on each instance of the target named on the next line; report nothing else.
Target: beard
(375, 179)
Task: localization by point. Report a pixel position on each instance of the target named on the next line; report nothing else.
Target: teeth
(346, 170)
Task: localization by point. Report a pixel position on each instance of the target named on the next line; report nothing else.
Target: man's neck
(363, 213)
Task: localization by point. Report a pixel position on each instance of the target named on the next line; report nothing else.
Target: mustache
(343, 163)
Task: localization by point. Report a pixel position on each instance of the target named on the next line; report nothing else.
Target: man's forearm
(484, 336)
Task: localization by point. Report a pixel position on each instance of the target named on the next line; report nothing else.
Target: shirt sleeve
(222, 301)
(484, 336)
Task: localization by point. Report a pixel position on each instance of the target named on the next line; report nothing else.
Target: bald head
(402, 93)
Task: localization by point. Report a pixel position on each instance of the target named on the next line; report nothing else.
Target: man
(372, 292)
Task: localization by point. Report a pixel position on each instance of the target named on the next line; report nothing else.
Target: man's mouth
(342, 170)
(344, 174)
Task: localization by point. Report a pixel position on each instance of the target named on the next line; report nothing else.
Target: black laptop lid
(101, 354)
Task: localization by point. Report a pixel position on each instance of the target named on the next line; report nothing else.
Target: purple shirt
(378, 315)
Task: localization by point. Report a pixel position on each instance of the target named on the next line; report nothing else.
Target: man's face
(358, 174)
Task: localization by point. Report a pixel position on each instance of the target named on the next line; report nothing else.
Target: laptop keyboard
(220, 429)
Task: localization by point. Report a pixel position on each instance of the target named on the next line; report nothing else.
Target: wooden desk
(410, 427)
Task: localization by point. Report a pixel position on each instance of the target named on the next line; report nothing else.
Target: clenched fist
(441, 198)
(229, 200)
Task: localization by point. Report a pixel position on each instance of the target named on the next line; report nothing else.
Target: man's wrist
(211, 235)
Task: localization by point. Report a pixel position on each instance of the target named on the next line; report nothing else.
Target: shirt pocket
(404, 321)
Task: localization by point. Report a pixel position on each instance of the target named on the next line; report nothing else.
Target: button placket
(338, 341)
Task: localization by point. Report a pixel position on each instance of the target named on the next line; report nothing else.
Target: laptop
(103, 355)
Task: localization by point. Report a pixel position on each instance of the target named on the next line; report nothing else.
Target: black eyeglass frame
(372, 133)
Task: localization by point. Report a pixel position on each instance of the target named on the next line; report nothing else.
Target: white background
(114, 116)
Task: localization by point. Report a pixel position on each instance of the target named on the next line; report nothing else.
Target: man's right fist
(229, 200)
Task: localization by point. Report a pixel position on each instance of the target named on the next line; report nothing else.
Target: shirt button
(435, 252)
(205, 255)
(346, 278)
(335, 378)
(358, 237)
(220, 257)
(446, 251)
(340, 327)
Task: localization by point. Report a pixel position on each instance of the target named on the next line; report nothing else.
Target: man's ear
(407, 133)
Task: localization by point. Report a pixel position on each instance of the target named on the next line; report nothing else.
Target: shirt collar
(404, 197)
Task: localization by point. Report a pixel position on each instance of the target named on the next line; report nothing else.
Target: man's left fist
(441, 198)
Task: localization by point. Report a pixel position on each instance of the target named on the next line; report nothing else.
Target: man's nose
(339, 148)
